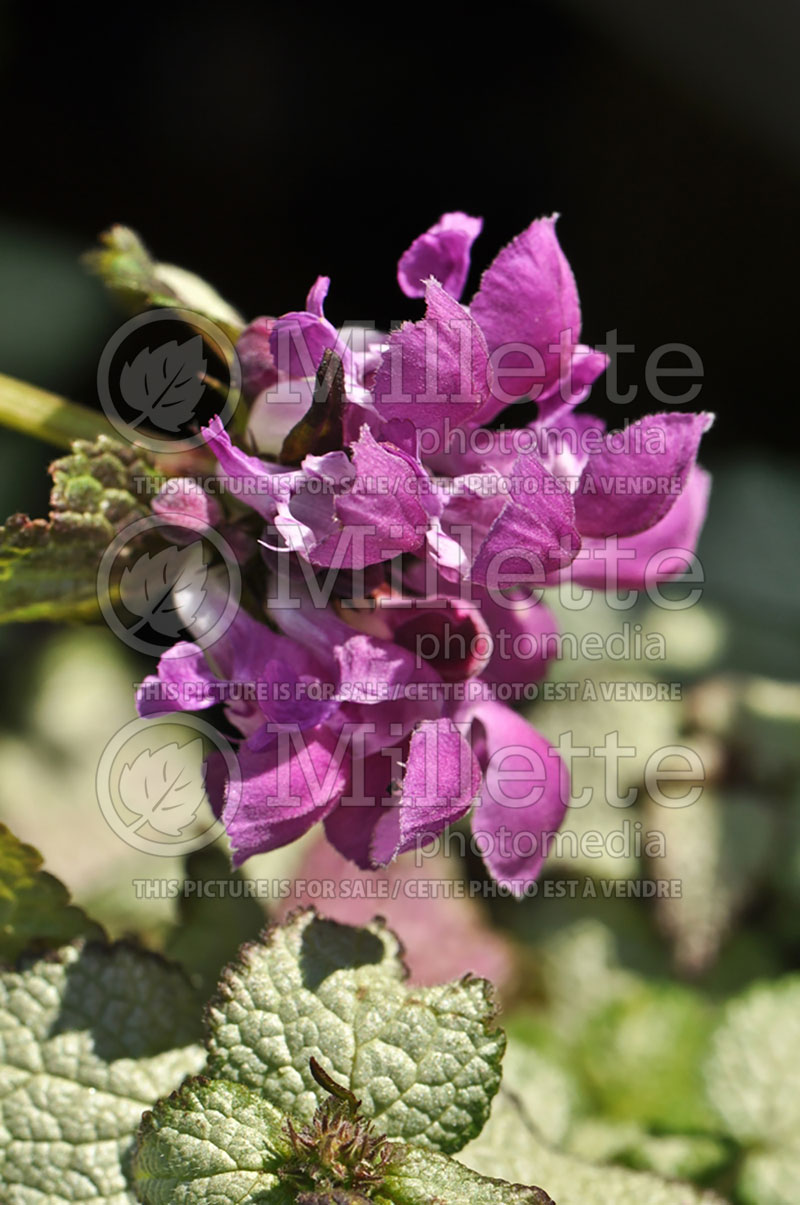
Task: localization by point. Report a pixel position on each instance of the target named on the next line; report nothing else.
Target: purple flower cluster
(405, 529)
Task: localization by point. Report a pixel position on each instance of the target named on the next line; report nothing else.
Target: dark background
(260, 145)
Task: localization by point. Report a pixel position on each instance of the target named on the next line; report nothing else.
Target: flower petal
(284, 790)
(533, 535)
(435, 372)
(519, 628)
(262, 483)
(527, 298)
(258, 367)
(636, 476)
(658, 554)
(184, 682)
(443, 252)
(524, 796)
(377, 517)
(441, 782)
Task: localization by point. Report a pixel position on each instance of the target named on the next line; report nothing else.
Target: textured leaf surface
(88, 1040)
(425, 1062)
(221, 1142)
(35, 912)
(48, 567)
(427, 1178)
(212, 1142)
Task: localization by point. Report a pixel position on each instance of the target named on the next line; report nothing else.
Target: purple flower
(401, 536)
(442, 252)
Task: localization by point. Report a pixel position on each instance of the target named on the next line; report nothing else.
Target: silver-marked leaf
(88, 1040)
(164, 384)
(511, 1147)
(424, 1062)
(212, 1142)
(428, 1178)
(219, 1143)
(165, 786)
(166, 589)
(753, 1070)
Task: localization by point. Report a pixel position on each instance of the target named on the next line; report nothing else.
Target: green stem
(46, 416)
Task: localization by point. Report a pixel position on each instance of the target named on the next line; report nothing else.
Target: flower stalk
(47, 416)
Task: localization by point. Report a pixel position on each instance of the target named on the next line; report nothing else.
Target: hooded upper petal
(183, 682)
(637, 474)
(442, 252)
(527, 298)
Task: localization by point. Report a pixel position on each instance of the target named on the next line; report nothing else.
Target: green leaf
(221, 1142)
(48, 567)
(88, 1040)
(770, 1178)
(212, 1141)
(424, 1062)
(127, 267)
(753, 1069)
(35, 912)
(674, 1156)
(643, 1058)
(427, 1178)
(509, 1146)
(718, 849)
(215, 919)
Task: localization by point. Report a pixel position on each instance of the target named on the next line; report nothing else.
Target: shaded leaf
(215, 917)
(88, 1040)
(48, 567)
(35, 912)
